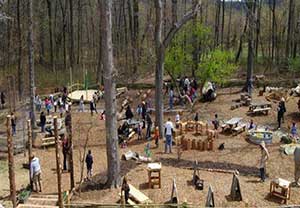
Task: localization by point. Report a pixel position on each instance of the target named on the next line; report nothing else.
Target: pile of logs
(244, 100)
(197, 144)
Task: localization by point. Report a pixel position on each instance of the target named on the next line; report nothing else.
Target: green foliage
(216, 66)
(179, 55)
(294, 64)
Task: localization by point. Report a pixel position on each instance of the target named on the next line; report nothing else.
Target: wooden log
(189, 144)
(204, 145)
(70, 153)
(182, 140)
(199, 145)
(11, 164)
(29, 147)
(194, 144)
(58, 165)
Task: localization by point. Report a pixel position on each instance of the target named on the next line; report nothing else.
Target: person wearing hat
(35, 173)
(263, 160)
(297, 165)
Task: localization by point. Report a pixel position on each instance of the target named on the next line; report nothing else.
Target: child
(177, 120)
(89, 164)
(294, 130)
(126, 189)
(156, 135)
(216, 122)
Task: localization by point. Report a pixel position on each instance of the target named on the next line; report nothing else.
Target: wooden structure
(174, 194)
(234, 125)
(210, 199)
(58, 164)
(154, 174)
(260, 107)
(29, 146)
(40, 201)
(235, 192)
(70, 141)
(136, 197)
(244, 100)
(284, 187)
(11, 164)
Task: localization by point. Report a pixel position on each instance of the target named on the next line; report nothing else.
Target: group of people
(187, 88)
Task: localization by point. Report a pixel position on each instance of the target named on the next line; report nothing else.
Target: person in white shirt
(168, 132)
(35, 173)
(177, 120)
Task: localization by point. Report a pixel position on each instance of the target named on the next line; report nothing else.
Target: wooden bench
(138, 196)
(49, 141)
(239, 129)
(261, 110)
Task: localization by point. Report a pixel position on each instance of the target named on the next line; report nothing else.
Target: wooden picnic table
(232, 123)
(255, 105)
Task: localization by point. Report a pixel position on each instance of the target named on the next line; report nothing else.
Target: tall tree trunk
(223, 23)
(49, 7)
(8, 32)
(174, 11)
(273, 29)
(113, 161)
(159, 70)
(71, 40)
(79, 30)
(229, 27)
(99, 65)
(160, 46)
(217, 23)
(31, 63)
(258, 23)
(250, 59)
(290, 29)
(20, 71)
(64, 30)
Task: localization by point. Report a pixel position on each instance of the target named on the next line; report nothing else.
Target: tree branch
(176, 27)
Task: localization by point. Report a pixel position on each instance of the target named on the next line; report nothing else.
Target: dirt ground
(238, 154)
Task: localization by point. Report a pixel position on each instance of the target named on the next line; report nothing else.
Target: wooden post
(11, 166)
(71, 165)
(29, 147)
(58, 164)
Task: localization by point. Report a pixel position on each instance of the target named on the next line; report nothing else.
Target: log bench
(261, 110)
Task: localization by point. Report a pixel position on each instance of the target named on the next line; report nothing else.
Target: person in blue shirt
(294, 130)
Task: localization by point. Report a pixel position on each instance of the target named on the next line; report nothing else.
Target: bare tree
(31, 63)
(113, 162)
(161, 46)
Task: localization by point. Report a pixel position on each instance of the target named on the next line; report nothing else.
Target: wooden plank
(35, 206)
(138, 196)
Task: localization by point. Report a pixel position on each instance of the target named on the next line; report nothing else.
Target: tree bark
(58, 165)
(229, 27)
(217, 23)
(113, 162)
(223, 23)
(160, 47)
(290, 29)
(20, 71)
(31, 64)
(250, 59)
(72, 55)
(49, 7)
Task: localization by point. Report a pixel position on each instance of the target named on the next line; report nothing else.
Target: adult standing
(149, 125)
(13, 123)
(297, 166)
(2, 97)
(35, 173)
(169, 129)
(65, 151)
(81, 104)
(280, 112)
(171, 97)
(92, 107)
(263, 161)
(42, 121)
(282, 105)
(89, 164)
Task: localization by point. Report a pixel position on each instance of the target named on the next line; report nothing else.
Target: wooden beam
(11, 165)
(58, 164)
(71, 163)
(29, 148)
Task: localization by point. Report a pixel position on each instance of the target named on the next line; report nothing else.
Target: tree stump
(194, 144)
(189, 144)
(204, 145)
(199, 145)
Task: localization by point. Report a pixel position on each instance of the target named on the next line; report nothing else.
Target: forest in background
(67, 37)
